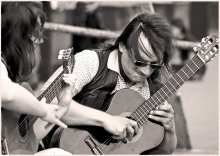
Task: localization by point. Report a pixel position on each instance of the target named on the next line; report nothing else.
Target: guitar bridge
(93, 146)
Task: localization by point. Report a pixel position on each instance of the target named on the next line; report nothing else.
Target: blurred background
(196, 103)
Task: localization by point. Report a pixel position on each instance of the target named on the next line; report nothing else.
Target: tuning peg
(209, 42)
(201, 51)
(195, 49)
(61, 52)
(203, 39)
(60, 57)
(206, 46)
(206, 57)
(215, 49)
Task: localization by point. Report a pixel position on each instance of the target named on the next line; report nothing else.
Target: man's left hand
(164, 113)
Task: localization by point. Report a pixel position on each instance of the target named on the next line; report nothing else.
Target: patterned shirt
(85, 71)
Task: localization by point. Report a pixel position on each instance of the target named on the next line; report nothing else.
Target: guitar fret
(145, 118)
(154, 100)
(168, 88)
(185, 73)
(144, 106)
(180, 77)
(147, 108)
(195, 64)
(152, 104)
(189, 68)
(163, 91)
(150, 101)
(157, 99)
(56, 90)
(174, 83)
(141, 120)
(134, 115)
(159, 94)
(172, 88)
(178, 85)
(177, 77)
(139, 113)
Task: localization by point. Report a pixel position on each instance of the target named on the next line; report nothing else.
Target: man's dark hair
(157, 30)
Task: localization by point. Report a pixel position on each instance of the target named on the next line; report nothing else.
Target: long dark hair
(156, 28)
(19, 23)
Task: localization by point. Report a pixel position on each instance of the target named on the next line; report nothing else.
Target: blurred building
(201, 18)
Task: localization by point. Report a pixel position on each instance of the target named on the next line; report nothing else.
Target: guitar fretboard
(174, 83)
(51, 92)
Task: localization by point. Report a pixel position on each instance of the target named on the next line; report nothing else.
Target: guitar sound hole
(23, 125)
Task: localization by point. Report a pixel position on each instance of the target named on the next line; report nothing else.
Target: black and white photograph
(109, 77)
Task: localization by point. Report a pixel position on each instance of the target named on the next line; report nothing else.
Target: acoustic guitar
(18, 135)
(126, 102)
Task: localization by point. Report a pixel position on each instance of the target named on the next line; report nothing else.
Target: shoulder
(87, 54)
(86, 59)
(4, 72)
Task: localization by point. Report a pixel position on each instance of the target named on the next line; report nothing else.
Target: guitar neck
(174, 83)
(50, 92)
(53, 89)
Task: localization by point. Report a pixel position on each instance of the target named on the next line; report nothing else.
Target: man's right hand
(121, 127)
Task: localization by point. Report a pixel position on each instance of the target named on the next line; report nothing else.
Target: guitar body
(17, 131)
(93, 140)
(19, 139)
(123, 103)
(21, 133)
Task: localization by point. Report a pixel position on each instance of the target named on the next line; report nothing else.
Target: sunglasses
(143, 64)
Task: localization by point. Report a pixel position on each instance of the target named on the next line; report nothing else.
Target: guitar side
(123, 103)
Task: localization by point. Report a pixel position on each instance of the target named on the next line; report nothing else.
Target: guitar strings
(185, 74)
(110, 139)
(182, 76)
(107, 148)
(23, 124)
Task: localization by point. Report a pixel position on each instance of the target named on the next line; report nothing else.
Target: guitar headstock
(68, 58)
(208, 48)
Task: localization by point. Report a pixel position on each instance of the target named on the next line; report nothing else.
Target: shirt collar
(113, 61)
(113, 65)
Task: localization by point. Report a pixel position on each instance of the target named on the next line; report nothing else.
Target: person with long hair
(21, 31)
(137, 60)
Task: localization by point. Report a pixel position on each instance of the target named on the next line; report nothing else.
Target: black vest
(94, 94)
(97, 92)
